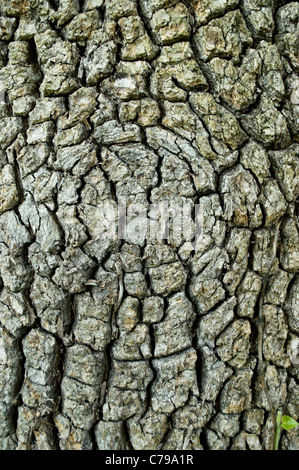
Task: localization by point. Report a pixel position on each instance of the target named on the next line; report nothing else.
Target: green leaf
(288, 423)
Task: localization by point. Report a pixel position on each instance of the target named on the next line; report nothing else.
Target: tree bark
(113, 338)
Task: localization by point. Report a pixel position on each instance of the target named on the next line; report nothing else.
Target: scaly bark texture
(133, 344)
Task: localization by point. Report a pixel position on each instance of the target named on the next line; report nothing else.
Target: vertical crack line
(261, 362)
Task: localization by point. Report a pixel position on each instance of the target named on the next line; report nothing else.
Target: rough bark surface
(125, 344)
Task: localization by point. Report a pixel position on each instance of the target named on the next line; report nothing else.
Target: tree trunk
(116, 331)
